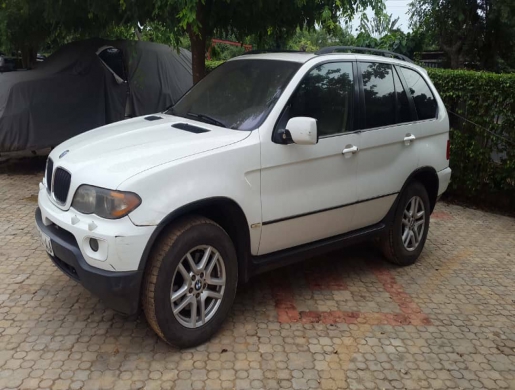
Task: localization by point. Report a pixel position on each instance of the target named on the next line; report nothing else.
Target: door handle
(409, 137)
(349, 150)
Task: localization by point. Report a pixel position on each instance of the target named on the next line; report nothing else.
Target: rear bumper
(118, 290)
(444, 178)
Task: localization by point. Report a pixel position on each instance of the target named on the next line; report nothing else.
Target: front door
(308, 191)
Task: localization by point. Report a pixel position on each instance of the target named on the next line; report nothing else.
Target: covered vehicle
(88, 84)
(7, 64)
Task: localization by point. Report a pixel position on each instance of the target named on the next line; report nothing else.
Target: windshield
(238, 94)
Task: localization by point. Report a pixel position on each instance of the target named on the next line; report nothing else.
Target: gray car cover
(74, 91)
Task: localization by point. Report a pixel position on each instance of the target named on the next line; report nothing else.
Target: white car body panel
(109, 155)
(306, 179)
(231, 172)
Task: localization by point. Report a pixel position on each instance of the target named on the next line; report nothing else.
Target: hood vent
(190, 128)
(153, 118)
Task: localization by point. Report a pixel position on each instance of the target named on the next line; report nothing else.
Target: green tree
(479, 31)
(22, 28)
(315, 38)
(380, 25)
(497, 50)
(271, 22)
(267, 20)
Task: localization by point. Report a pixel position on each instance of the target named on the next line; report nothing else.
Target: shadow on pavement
(23, 163)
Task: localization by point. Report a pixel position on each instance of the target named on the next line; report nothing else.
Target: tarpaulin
(74, 91)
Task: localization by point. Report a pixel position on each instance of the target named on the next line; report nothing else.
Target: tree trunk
(455, 53)
(455, 60)
(28, 57)
(198, 44)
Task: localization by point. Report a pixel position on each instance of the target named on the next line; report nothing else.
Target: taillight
(448, 149)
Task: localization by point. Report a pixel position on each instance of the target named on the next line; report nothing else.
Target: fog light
(93, 244)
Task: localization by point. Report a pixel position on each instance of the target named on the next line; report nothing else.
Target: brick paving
(347, 320)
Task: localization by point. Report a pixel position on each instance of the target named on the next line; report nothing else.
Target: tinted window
(403, 111)
(240, 94)
(424, 100)
(326, 94)
(379, 94)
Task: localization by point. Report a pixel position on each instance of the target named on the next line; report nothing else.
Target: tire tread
(165, 242)
(387, 241)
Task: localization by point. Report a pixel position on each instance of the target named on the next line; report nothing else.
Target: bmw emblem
(64, 153)
(198, 285)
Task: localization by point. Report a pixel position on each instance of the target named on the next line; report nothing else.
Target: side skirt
(268, 262)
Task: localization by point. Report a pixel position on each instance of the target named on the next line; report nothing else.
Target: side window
(424, 100)
(403, 111)
(326, 94)
(379, 94)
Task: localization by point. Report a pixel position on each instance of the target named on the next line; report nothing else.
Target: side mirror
(302, 130)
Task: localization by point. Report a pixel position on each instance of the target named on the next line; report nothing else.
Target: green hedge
(483, 161)
(210, 65)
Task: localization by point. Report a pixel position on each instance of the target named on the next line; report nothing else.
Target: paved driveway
(345, 320)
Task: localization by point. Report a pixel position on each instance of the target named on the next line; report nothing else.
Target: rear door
(388, 153)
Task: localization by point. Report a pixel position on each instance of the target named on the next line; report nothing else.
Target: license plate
(47, 243)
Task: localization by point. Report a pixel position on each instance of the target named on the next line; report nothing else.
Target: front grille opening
(49, 170)
(62, 180)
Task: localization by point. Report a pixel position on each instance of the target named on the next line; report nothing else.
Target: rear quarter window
(424, 99)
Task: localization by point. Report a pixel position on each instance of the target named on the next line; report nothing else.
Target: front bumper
(118, 290)
(121, 243)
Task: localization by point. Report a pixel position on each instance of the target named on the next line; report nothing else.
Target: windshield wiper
(207, 118)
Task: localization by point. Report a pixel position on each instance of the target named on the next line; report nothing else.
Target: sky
(397, 8)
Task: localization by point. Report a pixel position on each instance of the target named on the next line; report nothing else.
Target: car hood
(109, 155)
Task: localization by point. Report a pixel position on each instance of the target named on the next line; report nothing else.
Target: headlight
(104, 203)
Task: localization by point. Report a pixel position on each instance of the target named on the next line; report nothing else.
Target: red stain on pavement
(441, 215)
(287, 312)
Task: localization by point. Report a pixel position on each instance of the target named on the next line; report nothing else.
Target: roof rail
(385, 53)
(261, 51)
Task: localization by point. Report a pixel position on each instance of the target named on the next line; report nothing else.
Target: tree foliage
(315, 38)
(474, 31)
(380, 25)
(270, 22)
(22, 27)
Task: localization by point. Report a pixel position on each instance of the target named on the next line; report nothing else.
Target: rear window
(424, 99)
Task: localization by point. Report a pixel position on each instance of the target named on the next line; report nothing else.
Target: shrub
(482, 158)
(210, 65)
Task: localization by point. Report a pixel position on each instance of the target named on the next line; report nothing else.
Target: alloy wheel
(413, 223)
(198, 286)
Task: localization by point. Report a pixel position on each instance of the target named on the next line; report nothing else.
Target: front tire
(190, 282)
(403, 242)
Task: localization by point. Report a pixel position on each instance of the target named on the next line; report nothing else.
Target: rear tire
(190, 282)
(405, 239)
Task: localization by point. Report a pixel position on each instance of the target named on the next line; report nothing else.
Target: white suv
(270, 159)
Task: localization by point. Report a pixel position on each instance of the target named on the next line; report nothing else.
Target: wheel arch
(226, 213)
(428, 177)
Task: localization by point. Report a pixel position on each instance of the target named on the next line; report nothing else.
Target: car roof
(279, 56)
(303, 57)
